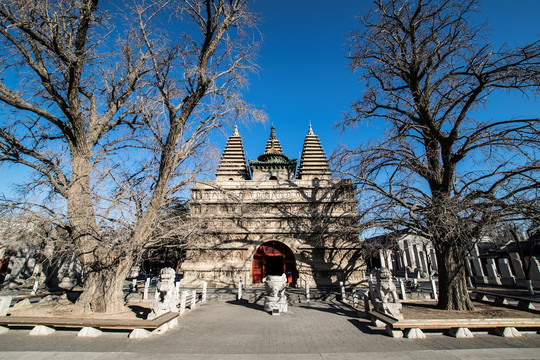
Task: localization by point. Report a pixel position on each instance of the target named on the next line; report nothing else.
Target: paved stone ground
(220, 330)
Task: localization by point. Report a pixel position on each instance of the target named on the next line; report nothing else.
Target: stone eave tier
(301, 234)
(268, 202)
(260, 165)
(343, 215)
(271, 184)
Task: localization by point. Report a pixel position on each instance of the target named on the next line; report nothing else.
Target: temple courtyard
(231, 330)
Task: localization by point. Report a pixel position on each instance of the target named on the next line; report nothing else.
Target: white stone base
(396, 334)
(41, 330)
(89, 332)
(415, 333)
(161, 330)
(377, 323)
(272, 303)
(508, 332)
(3, 329)
(461, 333)
(139, 334)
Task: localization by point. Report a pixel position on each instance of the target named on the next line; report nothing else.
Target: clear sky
(303, 76)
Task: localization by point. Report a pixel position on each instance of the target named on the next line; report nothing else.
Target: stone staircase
(256, 294)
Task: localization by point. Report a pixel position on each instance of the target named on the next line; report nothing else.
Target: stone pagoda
(269, 219)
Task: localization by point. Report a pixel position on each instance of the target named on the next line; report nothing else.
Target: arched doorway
(274, 258)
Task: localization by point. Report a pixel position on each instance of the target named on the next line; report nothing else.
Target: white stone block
(461, 333)
(396, 334)
(3, 329)
(41, 330)
(509, 331)
(89, 332)
(377, 323)
(139, 334)
(5, 303)
(173, 323)
(415, 333)
(162, 329)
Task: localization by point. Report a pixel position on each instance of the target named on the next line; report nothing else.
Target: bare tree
(439, 172)
(110, 108)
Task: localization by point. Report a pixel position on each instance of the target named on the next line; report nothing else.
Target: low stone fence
(93, 327)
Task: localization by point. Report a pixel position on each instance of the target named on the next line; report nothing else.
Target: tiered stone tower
(264, 220)
(313, 163)
(233, 162)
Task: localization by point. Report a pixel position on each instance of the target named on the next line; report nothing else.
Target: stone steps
(256, 295)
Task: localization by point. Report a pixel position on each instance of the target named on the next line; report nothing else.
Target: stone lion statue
(385, 298)
(385, 286)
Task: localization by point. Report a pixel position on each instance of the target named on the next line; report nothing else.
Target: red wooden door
(276, 254)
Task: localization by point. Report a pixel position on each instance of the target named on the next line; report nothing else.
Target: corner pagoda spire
(313, 162)
(233, 160)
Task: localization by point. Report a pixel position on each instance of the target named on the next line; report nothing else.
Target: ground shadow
(139, 311)
(332, 307)
(363, 326)
(246, 304)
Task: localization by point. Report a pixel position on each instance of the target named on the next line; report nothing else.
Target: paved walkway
(219, 330)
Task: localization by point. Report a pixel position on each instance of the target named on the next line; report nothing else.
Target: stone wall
(316, 219)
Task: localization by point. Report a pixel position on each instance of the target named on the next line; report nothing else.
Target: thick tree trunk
(452, 279)
(103, 288)
(104, 267)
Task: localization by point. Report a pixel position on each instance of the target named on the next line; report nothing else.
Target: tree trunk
(453, 293)
(103, 289)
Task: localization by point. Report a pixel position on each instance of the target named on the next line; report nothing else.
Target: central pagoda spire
(273, 164)
(273, 142)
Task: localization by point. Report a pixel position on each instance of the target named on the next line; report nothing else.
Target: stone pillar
(193, 299)
(493, 274)
(381, 256)
(406, 253)
(417, 261)
(423, 259)
(146, 286)
(183, 297)
(535, 272)
(204, 289)
(393, 259)
(434, 264)
(517, 266)
(402, 288)
(434, 292)
(479, 277)
(507, 278)
(239, 295)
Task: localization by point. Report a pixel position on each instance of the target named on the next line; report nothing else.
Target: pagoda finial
(310, 131)
(273, 133)
(235, 132)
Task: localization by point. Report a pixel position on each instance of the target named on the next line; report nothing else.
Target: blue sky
(303, 76)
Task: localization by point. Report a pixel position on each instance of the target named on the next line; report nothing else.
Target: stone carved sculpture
(275, 290)
(385, 298)
(168, 296)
